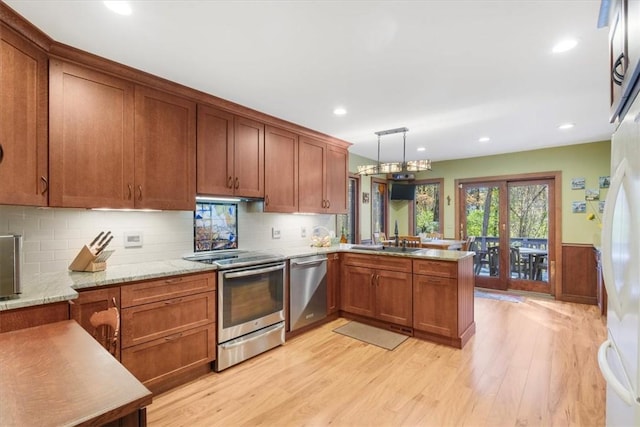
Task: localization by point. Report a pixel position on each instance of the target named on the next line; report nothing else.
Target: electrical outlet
(303, 232)
(275, 233)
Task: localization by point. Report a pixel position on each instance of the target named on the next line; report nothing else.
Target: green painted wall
(589, 161)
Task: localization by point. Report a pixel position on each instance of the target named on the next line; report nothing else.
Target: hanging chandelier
(395, 167)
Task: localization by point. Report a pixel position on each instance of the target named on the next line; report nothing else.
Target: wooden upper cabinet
(337, 179)
(214, 152)
(281, 174)
(23, 121)
(311, 175)
(165, 150)
(248, 158)
(91, 138)
(322, 177)
(230, 154)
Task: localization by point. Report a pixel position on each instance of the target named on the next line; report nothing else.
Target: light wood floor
(529, 364)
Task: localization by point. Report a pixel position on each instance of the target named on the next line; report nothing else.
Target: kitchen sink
(389, 249)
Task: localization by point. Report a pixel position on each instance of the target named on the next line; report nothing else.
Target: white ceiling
(451, 71)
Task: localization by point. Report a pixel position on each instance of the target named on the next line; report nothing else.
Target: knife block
(86, 261)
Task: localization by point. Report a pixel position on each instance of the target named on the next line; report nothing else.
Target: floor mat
(371, 335)
(497, 296)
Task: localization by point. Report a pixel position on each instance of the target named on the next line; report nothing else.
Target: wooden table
(58, 375)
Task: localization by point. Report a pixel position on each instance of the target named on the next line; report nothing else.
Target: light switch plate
(275, 233)
(303, 232)
(133, 239)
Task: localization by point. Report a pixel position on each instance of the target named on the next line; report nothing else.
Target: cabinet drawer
(172, 287)
(159, 319)
(155, 361)
(435, 268)
(381, 262)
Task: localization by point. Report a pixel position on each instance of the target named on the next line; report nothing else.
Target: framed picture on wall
(578, 207)
(604, 181)
(591, 194)
(577, 183)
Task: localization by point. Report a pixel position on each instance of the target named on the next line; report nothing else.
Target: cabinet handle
(237, 183)
(173, 337)
(266, 200)
(229, 182)
(173, 301)
(371, 279)
(1, 153)
(174, 280)
(139, 192)
(377, 280)
(45, 186)
(130, 187)
(618, 77)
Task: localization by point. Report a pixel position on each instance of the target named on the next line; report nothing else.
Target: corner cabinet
(230, 154)
(378, 287)
(118, 145)
(23, 121)
(322, 177)
(281, 178)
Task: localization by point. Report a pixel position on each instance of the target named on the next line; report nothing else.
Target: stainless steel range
(250, 304)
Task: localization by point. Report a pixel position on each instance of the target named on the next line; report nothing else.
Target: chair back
(109, 318)
(469, 243)
(434, 235)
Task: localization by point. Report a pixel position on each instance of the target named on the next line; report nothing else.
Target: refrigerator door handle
(625, 394)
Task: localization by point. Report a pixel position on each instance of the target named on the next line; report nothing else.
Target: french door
(513, 223)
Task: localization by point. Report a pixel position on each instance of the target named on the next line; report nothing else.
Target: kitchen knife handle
(130, 187)
(96, 239)
(45, 184)
(139, 192)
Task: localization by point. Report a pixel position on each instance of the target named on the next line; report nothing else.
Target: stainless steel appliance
(307, 290)
(10, 249)
(251, 295)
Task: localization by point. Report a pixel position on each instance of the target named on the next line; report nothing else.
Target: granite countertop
(48, 288)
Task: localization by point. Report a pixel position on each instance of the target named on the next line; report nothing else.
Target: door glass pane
(378, 204)
(482, 205)
(347, 223)
(529, 231)
(428, 208)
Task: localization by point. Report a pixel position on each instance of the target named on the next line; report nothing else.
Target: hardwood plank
(532, 363)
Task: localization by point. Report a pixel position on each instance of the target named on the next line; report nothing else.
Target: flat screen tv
(403, 191)
(215, 226)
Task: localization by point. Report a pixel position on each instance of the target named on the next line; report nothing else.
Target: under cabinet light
(118, 6)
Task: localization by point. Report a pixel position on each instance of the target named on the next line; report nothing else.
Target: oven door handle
(241, 341)
(246, 273)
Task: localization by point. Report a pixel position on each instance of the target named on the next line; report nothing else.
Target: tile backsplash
(53, 236)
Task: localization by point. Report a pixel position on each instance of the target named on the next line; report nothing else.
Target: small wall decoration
(365, 197)
(578, 207)
(604, 181)
(601, 206)
(591, 194)
(577, 183)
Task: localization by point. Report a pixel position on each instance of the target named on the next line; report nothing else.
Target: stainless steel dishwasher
(307, 290)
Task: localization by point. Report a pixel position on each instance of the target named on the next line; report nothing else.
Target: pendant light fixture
(395, 167)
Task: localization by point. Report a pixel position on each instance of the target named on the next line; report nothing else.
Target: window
(428, 207)
(348, 224)
(378, 206)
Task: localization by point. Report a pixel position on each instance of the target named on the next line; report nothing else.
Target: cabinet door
(281, 177)
(311, 175)
(91, 138)
(248, 158)
(165, 150)
(214, 152)
(87, 303)
(23, 121)
(333, 282)
(394, 297)
(357, 291)
(337, 180)
(435, 305)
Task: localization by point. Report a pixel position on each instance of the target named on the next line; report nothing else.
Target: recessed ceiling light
(118, 6)
(566, 126)
(421, 149)
(340, 111)
(564, 45)
(484, 139)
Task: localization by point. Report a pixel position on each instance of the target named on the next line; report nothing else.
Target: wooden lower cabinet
(380, 294)
(169, 329)
(91, 301)
(443, 301)
(27, 317)
(158, 362)
(579, 274)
